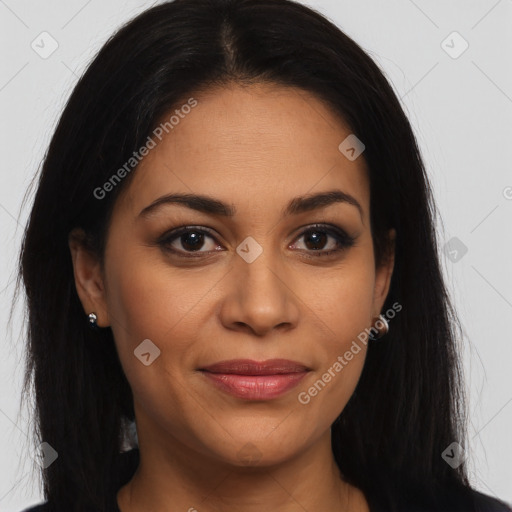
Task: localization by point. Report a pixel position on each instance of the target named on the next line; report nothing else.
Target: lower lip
(255, 387)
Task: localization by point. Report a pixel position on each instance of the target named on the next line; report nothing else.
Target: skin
(254, 147)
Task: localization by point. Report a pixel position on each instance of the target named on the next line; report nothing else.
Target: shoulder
(454, 497)
(469, 499)
(486, 503)
(41, 507)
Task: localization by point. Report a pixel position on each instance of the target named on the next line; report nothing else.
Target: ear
(88, 277)
(383, 275)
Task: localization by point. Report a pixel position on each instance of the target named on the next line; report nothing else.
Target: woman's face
(252, 284)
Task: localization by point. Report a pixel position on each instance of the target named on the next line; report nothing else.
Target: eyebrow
(212, 206)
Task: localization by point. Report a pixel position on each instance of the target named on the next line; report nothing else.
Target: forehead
(254, 146)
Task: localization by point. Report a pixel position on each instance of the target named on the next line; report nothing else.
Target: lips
(253, 380)
(249, 367)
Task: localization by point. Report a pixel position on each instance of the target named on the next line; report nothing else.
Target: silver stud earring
(92, 321)
(383, 328)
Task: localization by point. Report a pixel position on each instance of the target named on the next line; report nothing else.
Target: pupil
(194, 240)
(316, 239)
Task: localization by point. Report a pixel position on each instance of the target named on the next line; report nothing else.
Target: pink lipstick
(253, 380)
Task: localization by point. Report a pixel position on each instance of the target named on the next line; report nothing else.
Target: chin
(254, 451)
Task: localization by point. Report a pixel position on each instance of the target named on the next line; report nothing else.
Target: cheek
(341, 361)
(144, 306)
(343, 311)
(148, 301)
(344, 301)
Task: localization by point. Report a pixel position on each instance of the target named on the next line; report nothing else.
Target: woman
(231, 216)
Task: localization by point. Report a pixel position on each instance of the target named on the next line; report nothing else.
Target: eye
(317, 237)
(188, 241)
(190, 238)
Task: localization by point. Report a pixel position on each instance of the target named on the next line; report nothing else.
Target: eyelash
(344, 240)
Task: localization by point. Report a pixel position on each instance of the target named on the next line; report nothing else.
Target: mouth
(253, 380)
(249, 367)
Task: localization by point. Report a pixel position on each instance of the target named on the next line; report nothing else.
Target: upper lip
(250, 367)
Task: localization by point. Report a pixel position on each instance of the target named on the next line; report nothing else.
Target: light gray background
(460, 108)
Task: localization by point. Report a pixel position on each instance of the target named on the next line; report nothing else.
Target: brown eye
(317, 237)
(188, 239)
(192, 241)
(316, 240)
(319, 240)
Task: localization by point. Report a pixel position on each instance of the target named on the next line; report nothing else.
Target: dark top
(457, 501)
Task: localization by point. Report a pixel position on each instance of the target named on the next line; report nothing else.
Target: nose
(260, 297)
